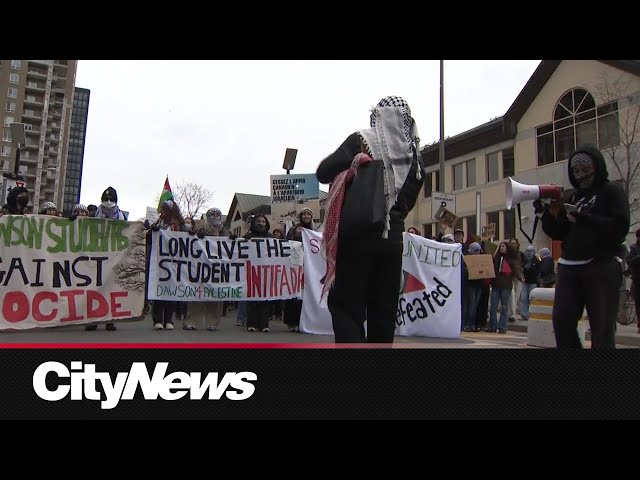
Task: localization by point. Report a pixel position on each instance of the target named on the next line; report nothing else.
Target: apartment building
(38, 93)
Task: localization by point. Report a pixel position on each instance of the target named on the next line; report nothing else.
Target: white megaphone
(516, 192)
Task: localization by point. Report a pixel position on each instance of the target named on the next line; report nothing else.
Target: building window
(15, 64)
(6, 135)
(509, 217)
(8, 121)
(427, 230)
(508, 164)
(471, 172)
(492, 167)
(431, 183)
(577, 121)
(6, 151)
(14, 78)
(471, 226)
(12, 92)
(494, 217)
(458, 181)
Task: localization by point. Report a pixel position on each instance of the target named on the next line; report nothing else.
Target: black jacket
(602, 221)
(341, 159)
(252, 233)
(633, 260)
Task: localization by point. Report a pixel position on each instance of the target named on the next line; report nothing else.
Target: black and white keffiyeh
(393, 139)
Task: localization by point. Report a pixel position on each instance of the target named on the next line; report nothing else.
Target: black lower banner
(317, 384)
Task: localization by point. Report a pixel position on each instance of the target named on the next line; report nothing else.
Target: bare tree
(619, 140)
(131, 272)
(191, 198)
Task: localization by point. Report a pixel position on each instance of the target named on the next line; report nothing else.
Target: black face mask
(260, 228)
(22, 201)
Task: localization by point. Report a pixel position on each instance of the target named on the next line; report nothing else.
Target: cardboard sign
(447, 218)
(489, 231)
(480, 266)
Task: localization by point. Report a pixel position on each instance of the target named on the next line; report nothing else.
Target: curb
(629, 340)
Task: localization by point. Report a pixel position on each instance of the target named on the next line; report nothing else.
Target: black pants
(258, 314)
(162, 312)
(595, 286)
(292, 312)
(366, 288)
(483, 307)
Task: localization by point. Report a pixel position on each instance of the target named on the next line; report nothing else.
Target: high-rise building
(38, 93)
(75, 156)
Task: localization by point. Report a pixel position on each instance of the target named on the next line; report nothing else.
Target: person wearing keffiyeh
(592, 234)
(363, 276)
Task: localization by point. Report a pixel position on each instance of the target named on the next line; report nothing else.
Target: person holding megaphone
(592, 225)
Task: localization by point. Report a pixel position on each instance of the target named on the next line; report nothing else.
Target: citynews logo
(83, 380)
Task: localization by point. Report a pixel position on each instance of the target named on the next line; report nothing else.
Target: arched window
(577, 121)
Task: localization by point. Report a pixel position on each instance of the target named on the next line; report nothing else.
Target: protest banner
(57, 272)
(429, 303)
(187, 268)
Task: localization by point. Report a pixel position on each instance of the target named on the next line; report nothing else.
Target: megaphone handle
(535, 225)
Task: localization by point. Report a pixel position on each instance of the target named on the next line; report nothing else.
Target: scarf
(114, 212)
(393, 139)
(335, 200)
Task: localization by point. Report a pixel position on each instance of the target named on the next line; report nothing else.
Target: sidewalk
(625, 334)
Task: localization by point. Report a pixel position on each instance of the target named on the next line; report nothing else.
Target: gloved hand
(200, 234)
(156, 228)
(72, 218)
(146, 224)
(232, 236)
(539, 206)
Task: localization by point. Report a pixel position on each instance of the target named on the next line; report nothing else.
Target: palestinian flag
(166, 194)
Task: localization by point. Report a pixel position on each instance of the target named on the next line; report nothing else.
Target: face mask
(108, 204)
(260, 228)
(187, 228)
(586, 181)
(22, 201)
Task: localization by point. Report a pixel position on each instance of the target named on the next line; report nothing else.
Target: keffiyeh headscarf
(49, 205)
(392, 139)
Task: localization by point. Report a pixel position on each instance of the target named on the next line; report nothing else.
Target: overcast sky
(226, 124)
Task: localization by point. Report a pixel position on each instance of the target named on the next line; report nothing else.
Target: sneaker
(502, 330)
(91, 327)
(186, 326)
(111, 327)
(169, 326)
(238, 324)
(512, 319)
(212, 328)
(292, 329)
(266, 329)
(158, 326)
(251, 329)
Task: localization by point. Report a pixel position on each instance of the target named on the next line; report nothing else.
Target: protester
(208, 313)
(49, 208)
(364, 265)
(17, 201)
(471, 293)
(79, 210)
(531, 272)
(547, 276)
(592, 228)
(108, 209)
(413, 230)
(633, 260)
(170, 219)
(505, 264)
(258, 311)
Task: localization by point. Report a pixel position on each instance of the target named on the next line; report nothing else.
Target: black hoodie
(602, 220)
(252, 233)
(12, 201)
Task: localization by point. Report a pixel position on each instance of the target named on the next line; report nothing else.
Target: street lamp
(290, 159)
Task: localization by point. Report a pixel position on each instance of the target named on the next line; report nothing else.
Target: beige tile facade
(43, 100)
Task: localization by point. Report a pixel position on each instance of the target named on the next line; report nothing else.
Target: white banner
(57, 272)
(186, 268)
(430, 302)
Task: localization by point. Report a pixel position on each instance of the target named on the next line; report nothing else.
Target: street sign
(489, 231)
(441, 201)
